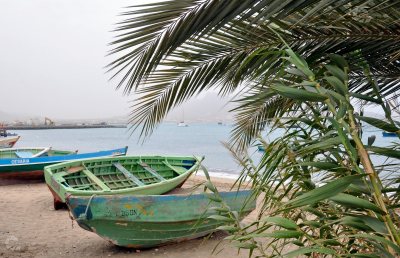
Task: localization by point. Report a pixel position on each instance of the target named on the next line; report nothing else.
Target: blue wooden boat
(143, 221)
(389, 134)
(29, 163)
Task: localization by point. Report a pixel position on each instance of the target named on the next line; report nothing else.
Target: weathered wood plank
(151, 171)
(129, 175)
(96, 180)
(179, 170)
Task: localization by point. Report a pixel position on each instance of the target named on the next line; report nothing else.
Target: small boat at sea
(389, 134)
(28, 163)
(182, 124)
(8, 141)
(154, 220)
(118, 175)
(260, 148)
(5, 133)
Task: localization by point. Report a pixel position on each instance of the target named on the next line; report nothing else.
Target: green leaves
(300, 63)
(220, 218)
(312, 249)
(388, 152)
(321, 193)
(279, 234)
(322, 144)
(379, 123)
(337, 84)
(281, 222)
(173, 50)
(355, 202)
(297, 94)
(365, 97)
(379, 240)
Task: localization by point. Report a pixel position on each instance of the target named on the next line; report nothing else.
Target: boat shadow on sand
(211, 239)
(5, 182)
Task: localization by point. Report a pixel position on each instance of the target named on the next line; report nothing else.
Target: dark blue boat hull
(33, 167)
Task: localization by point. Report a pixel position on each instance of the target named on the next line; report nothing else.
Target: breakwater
(44, 127)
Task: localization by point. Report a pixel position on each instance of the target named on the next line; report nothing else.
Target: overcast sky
(52, 57)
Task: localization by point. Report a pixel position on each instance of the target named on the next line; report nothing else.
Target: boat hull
(148, 221)
(30, 174)
(32, 168)
(61, 189)
(8, 142)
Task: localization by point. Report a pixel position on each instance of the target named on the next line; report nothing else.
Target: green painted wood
(69, 177)
(96, 180)
(179, 170)
(147, 221)
(128, 174)
(151, 171)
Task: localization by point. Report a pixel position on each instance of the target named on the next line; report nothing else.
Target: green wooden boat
(153, 220)
(118, 175)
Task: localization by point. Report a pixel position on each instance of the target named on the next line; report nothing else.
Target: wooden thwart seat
(128, 174)
(96, 180)
(179, 170)
(151, 171)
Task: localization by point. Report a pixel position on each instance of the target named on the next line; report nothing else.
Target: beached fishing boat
(17, 163)
(120, 175)
(153, 220)
(8, 141)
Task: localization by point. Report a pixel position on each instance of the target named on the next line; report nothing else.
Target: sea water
(198, 139)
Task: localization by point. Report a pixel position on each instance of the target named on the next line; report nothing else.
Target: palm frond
(171, 51)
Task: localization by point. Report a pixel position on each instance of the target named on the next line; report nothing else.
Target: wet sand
(30, 227)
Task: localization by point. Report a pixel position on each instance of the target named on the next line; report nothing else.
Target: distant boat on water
(388, 134)
(8, 141)
(4, 133)
(182, 124)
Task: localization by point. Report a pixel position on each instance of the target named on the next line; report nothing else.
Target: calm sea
(202, 139)
(168, 139)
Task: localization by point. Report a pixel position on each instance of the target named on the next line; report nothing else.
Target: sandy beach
(30, 227)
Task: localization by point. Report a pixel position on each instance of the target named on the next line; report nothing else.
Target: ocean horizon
(197, 139)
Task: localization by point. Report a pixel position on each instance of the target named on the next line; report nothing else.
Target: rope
(88, 205)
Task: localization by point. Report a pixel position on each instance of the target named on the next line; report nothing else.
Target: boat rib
(151, 171)
(128, 174)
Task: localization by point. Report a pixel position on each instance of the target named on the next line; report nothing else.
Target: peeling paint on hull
(153, 220)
